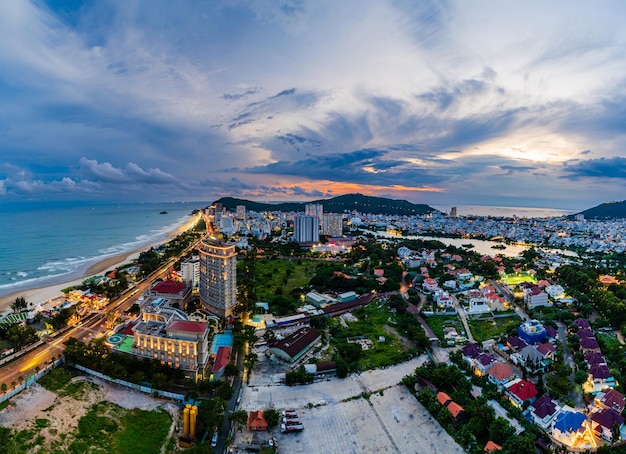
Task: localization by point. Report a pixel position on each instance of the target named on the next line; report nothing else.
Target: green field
(276, 279)
(516, 279)
(490, 329)
(438, 322)
(371, 325)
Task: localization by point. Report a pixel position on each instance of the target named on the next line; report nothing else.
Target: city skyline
(443, 103)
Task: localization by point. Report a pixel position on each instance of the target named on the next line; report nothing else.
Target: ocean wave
(22, 273)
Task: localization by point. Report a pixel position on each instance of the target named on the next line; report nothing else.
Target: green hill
(339, 204)
(606, 210)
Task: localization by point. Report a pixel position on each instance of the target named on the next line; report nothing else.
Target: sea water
(48, 243)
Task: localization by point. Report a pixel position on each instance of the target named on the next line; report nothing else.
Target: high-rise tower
(218, 276)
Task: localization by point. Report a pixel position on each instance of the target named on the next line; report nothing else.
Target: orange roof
(501, 372)
(491, 446)
(443, 398)
(608, 280)
(455, 409)
(256, 420)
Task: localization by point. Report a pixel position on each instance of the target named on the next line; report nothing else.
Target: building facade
(314, 209)
(241, 212)
(190, 271)
(218, 276)
(332, 225)
(306, 229)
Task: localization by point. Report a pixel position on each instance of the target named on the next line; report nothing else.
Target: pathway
(569, 360)
(463, 315)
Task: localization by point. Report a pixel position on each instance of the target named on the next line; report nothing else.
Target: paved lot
(336, 419)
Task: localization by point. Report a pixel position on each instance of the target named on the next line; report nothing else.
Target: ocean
(48, 243)
(520, 212)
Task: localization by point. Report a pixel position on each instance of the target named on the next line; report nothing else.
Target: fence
(127, 384)
(30, 379)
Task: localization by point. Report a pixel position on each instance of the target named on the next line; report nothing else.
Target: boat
(498, 246)
(163, 212)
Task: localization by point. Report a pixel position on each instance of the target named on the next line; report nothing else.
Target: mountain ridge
(606, 210)
(346, 202)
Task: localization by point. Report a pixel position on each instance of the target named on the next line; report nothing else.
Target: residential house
(479, 305)
(543, 411)
(484, 362)
(589, 344)
(492, 447)
(500, 374)
(530, 358)
(605, 423)
(570, 428)
(610, 399)
(515, 343)
(595, 359)
(471, 351)
(535, 297)
(521, 391)
(599, 378)
(548, 351)
(256, 421)
(430, 285)
(446, 401)
(581, 323)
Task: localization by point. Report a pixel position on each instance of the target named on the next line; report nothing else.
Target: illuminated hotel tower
(218, 276)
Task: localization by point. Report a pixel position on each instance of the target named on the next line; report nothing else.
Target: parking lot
(337, 419)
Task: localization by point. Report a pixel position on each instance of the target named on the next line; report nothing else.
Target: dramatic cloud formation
(452, 102)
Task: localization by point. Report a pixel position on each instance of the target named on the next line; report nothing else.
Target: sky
(453, 102)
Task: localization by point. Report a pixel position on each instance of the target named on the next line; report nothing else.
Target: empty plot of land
(392, 423)
(337, 418)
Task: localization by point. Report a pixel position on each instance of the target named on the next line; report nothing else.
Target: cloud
(597, 168)
(132, 174)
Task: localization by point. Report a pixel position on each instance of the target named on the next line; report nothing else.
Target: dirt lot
(63, 413)
(337, 418)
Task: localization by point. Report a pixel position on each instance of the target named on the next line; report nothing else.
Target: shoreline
(44, 293)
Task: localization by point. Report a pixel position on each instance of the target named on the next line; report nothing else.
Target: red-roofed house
(256, 421)
(221, 360)
(172, 290)
(521, 392)
(455, 409)
(500, 374)
(443, 398)
(492, 447)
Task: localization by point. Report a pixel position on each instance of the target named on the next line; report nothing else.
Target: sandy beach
(42, 294)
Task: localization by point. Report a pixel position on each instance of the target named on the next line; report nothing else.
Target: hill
(339, 204)
(606, 210)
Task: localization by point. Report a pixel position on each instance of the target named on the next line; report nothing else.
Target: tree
(19, 304)
(269, 337)
(231, 370)
(272, 416)
(500, 430)
(4, 388)
(519, 445)
(239, 418)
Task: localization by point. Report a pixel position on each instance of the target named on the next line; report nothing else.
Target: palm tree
(13, 384)
(4, 387)
(20, 379)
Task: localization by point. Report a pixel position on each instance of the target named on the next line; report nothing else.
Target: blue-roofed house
(571, 429)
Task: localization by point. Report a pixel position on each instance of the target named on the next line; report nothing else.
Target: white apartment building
(218, 276)
(190, 271)
(332, 225)
(306, 229)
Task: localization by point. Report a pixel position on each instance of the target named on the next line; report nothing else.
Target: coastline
(39, 295)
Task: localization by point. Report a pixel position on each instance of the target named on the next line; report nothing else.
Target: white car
(214, 440)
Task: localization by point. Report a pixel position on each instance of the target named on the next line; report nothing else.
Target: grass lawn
(109, 428)
(609, 340)
(371, 325)
(57, 378)
(438, 322)
(516, 279)
(489, 329)
(280, 277)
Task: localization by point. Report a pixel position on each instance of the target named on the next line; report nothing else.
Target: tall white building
(218, 276)
(190, 271)
(332, 225)
(306, 229)
(314, 209)
(241, 212)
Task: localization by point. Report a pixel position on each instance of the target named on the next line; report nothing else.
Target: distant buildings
(241, 212)
(218, 276)
(293, 347)
(314, 209)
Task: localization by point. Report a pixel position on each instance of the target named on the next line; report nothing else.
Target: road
(461, 311)
(575, 395)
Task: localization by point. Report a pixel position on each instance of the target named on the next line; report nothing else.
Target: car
(214, 439)
(291, 428)
(290, 413)
(238, 400)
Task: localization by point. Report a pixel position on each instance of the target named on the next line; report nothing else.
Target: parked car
(214, 439)
(291, 428)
